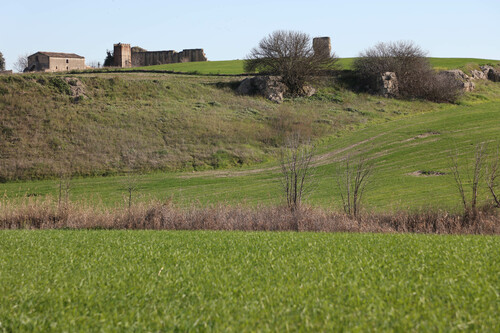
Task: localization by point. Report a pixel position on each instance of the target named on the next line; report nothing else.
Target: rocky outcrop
(491, 73)
(387, 85)
(465, 81)
(77, 88)
(494, 75)
(478, 75)
(269, 87)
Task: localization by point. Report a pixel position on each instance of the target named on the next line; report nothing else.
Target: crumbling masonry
(124, 57)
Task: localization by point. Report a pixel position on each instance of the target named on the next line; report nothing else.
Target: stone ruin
(463, 79)
(322, 46)
(491, 73)
(466, 81)
(124, 56)
(387, 85)
(269, 87)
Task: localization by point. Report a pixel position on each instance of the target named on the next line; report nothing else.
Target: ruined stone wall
(151, 58)
(192, 55)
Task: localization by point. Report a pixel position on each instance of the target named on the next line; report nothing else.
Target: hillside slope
(406, 149)
(146, 122)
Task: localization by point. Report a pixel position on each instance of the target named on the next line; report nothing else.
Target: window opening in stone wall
(67, 61)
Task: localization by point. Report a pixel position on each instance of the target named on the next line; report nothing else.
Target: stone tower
(322, 46)
(122, 55)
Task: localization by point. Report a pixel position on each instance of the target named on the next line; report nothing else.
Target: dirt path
(317, 160)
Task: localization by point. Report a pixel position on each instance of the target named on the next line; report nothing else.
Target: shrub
(289, 54)
(416, 77)
(108, 61)
(2, 62)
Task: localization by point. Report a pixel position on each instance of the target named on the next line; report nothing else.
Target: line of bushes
(49, 214)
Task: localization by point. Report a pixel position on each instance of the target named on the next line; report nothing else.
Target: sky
(227, 30)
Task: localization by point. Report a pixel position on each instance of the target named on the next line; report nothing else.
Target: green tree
(2, 62)
(108, 61)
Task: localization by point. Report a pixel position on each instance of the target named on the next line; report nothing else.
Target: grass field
(232, 281)
(147, 122)
(236, 66)
(419, 141)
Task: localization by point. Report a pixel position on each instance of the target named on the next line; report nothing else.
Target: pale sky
(227, 30)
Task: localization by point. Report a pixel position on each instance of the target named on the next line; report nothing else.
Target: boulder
(77, 88)
(478, 75)
(269, 87)
(486, 69)
(387, 85)
(465, 81)
(492, 73)
(308, 91)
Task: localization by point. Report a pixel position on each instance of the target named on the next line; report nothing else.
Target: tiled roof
(60, 55)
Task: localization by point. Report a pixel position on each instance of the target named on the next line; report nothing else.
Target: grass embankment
(399, 144)
(236, 66)
(151, 281)
(147, 122)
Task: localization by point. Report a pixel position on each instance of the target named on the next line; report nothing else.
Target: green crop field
(236, 66)
(234, 281)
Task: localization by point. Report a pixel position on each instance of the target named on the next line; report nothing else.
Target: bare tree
(94, 64)
(352, 179)
(22, 63)
(130, 184)
(471, 178)
(64, 190)
(295, 162)
(416, 77)
(2, 62)
(289, 54)
(492, 177)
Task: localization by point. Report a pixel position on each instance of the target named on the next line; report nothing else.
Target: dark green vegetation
(151, 281)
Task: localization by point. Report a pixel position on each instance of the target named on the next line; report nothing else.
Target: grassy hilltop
(236, 66)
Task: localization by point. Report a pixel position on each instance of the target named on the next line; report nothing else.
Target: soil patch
(422, 136)
(426, 173)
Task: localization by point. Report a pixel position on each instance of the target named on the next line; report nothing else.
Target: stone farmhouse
(123, 56)
(55, 62)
